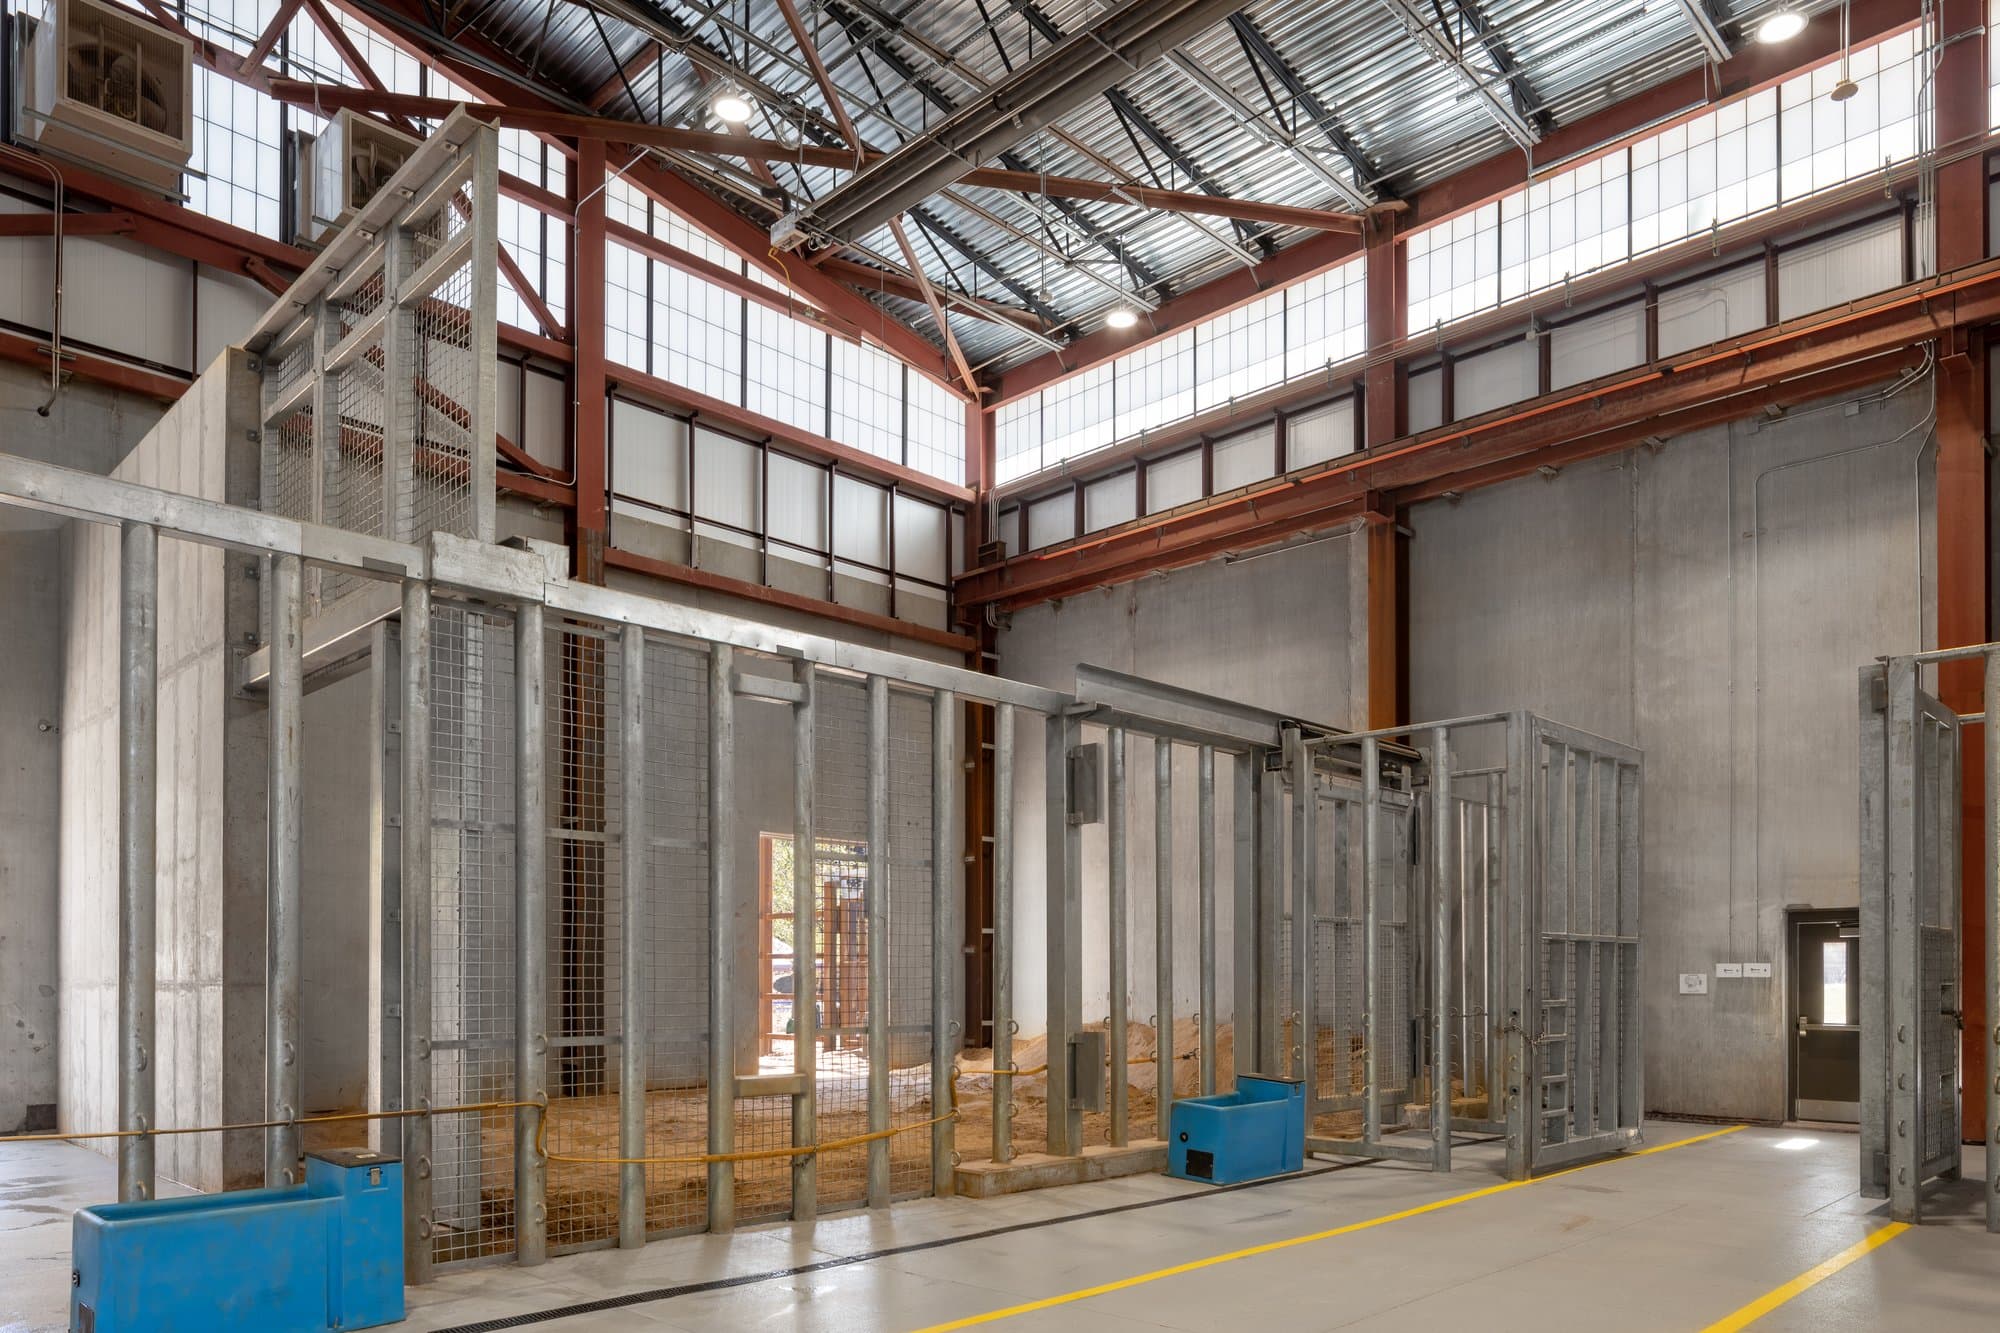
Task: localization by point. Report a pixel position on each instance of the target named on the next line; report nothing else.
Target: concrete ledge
(1034, 1171)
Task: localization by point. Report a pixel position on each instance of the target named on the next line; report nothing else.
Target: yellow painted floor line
(1812, 1277)
(1272, 1247)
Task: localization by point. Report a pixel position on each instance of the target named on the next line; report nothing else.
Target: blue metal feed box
(1256, 1131)
(324, 1255)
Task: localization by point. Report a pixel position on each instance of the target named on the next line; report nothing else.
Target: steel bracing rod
(722, 893)
(1526, 103)
(138, 832)
(1163, 932)
(1261, 51)
(635, 879)
(805, 947)
(947, 891)
(283, 1076)
(879, 960)
(1417, 25)
(531, 959)
(1117, 931)
(1003, 931)
(1706, 31)
(415, 859)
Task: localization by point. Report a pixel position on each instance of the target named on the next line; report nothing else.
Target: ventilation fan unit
(351, 160)
(111, 90)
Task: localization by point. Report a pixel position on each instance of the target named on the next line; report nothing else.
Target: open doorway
(1825, 970)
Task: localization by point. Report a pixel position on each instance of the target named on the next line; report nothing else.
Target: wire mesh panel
(840, 875)
(911, 896)
(472, 929)
(1339, 1068)
(583, 794)
(1473, 893)
(676, 952)
(379, 397)
(445, 372)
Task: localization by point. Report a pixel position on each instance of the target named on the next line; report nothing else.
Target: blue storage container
(324, 1255)
(1256, 1131)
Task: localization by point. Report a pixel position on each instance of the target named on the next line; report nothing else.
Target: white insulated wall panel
(860, 521)
(1175, 481)
(797, 508)
(1840, 267)
(1426, 399)
(1494, 378)
(1712, 308)
(727, 486)
(922, 534)
(1243, 459)
(1052, 520)
(1319, 435)
(649, 455)
(1597, 345)
(1111, 501)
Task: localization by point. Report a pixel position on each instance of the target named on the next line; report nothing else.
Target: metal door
(1826, 1013)
(1910, 921)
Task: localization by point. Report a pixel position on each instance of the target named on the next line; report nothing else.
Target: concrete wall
(86, 428)
(210, 800)
(1272, 631)
(1711, 603)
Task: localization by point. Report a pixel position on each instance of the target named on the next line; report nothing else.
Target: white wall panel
(797, 508)
(1111, 501)
(860, 521)
(1426, 399)
(1321, 434)
(1173, 481)
(129, 299)
(545, 433)
(649, 455)
(1242, 459)
(1613, 340)
(922, 533)
(1840, 268)
(1052, 520)
(1494, 378)
(727, 482)
(1712, 308)
(225, 307)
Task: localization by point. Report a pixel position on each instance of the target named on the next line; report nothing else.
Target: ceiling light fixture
(731, 107)
(1781, 26)
(1847, 87)
(1122, 318)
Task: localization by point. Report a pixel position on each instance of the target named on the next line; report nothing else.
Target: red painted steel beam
(588, 383)
(1451, 457)
(472, 63)
(1752, 67)
(32, 351)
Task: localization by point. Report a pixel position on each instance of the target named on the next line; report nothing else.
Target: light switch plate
(1694, 983)
(1728, 970)
(1757, 970)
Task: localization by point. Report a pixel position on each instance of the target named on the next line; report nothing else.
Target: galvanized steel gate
(1911, 1005)
(1472, 959)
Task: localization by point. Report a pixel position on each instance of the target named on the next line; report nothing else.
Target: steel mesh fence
(472, 929)
(840, 874)
(911, 890)
(445, 375)
(677, 942)
(584, 797)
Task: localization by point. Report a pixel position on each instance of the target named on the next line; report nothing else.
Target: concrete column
(138, 770)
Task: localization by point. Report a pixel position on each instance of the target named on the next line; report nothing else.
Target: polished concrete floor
(1677, 1239)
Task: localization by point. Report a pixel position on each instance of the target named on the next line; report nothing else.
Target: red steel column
(1962, 504)
(1385, 405)
(587, 380)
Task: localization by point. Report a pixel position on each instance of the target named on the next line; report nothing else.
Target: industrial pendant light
(1781, 26)
(1122, 318)
(1847, 87)
(731, 106)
